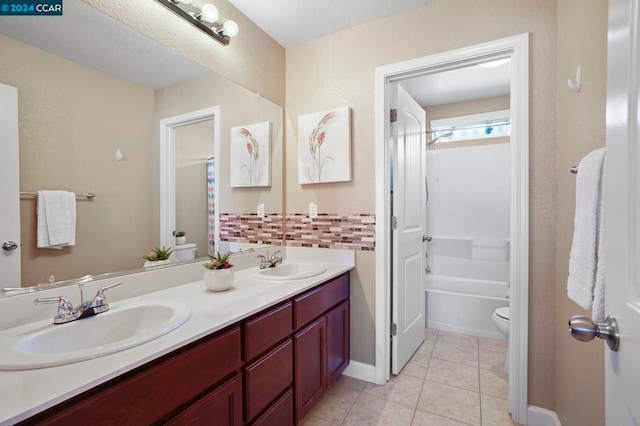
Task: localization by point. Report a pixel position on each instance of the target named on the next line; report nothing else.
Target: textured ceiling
(291, 22)
(462, 84)
(89, 37)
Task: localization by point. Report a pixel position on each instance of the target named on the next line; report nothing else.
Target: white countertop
(28, 392)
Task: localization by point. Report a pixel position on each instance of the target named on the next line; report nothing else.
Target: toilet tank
(185, 252)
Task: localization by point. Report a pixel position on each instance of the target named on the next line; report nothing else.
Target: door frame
(168, 169)
(517, 48)
(10, 173)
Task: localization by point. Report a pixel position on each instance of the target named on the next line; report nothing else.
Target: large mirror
(92, 94)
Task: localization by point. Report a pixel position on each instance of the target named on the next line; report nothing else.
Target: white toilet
(501, 319)
(185, 252)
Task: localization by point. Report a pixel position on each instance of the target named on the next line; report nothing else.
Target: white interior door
(409, 210)
(9, 188)
(622, 213)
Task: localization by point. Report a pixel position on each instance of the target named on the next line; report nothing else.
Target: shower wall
(468, 211)
(468, 218)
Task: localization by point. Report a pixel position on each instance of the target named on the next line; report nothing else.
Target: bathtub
(464, 305)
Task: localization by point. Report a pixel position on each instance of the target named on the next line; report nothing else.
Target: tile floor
(453, 379)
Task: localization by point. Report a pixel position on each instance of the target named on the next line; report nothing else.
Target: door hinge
(394, 222)
(394, 329)
(393, 117)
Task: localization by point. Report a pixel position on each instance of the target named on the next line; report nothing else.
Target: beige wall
(72, 119)
(238, 106)
(338, 70)
(253, 59)
(476, 106)
(582, 39)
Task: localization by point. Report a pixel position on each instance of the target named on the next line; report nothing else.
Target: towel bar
(88, 196)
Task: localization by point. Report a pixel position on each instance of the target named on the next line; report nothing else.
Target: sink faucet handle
(64, 306)
(275, 254)
(100, 297)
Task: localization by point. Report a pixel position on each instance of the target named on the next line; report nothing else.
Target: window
(467, 127)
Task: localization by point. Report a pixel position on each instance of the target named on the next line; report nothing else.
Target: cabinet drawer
(265, 330)
(311, 305)
(154, 392)
(280, 414)
(267, 378)
(223, 406)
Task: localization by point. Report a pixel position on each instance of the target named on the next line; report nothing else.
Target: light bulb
(230, 28)
(209, 13)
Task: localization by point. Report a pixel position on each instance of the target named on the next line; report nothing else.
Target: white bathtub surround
(464, 305)
(469, 191)
(475, 258)
(26, 393)
(490, 248)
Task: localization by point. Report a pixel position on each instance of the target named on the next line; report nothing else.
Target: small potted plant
(218, 275)
(180, 237)
(158, 256)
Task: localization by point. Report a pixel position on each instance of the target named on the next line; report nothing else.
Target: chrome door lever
(585, 329)
(426, 238)
(9, 246)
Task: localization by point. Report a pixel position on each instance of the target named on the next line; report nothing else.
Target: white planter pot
(181, 240)
(218, 279)
(150, 264)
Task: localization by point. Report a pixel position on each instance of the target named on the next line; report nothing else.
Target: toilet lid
(503, 312)
(185, 246)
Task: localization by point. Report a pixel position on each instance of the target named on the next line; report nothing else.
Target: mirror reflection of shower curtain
(211, 205)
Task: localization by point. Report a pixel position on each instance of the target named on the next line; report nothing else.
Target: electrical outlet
(313, 210)
(261, 210)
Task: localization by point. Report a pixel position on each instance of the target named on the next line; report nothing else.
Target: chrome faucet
(269, 261)
(66, 311)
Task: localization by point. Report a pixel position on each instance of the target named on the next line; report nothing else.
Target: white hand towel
(56, 219)
(586, 250)
(597, 311)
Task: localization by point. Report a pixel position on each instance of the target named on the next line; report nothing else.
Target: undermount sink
(289, 271)
(43, 344)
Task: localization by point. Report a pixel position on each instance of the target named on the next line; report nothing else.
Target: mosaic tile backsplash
(337, 231)
(249, 228)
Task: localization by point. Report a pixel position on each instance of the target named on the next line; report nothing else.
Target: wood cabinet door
(267, 378)
(337, 341)
(222, 407)
(310, 365)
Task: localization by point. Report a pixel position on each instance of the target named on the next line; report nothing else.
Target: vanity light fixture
(205, 18)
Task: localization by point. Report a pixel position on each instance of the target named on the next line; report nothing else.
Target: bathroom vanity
(269, 366)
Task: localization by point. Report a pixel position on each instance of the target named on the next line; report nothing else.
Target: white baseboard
(537, 416)
(361, 371)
